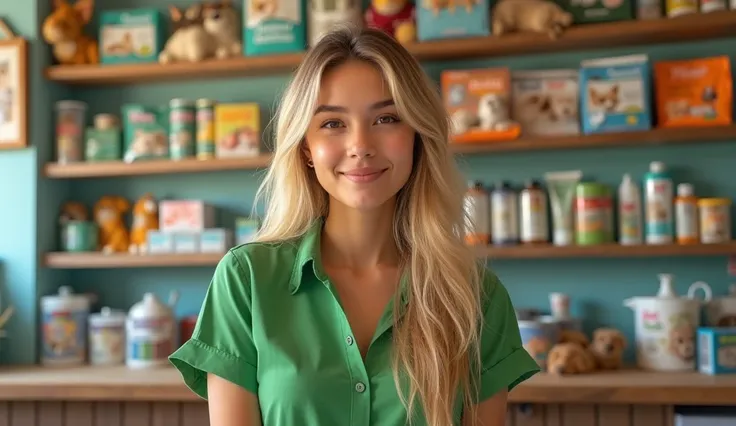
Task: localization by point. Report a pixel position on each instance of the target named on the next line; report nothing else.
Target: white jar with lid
(64, 328)
(150, 332)
(107, 337)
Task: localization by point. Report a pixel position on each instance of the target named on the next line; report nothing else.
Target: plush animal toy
(63, 30)
(608, 347)
(109, 212)
(73, 210)
(145, 218)
(189, 42)
(222, 22)
(540, 16)
(395, 17)
(570, 358)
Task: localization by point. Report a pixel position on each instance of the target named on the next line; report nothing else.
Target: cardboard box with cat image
(545, 102)
(615, 94)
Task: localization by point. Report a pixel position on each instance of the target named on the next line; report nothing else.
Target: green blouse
(271, 323)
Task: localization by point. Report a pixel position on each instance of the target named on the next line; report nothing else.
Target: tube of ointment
(561, 187)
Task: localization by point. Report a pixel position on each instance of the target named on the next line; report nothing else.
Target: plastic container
(150, 332)
(205, 129)
(477, 206)
(659, 204)
(533, 207)
(70, 128)
(504, 215)
(594, 214)
(64, 328)
(629, 212)
(107, 337)
(182, 129)
(686, 215)
(715, 220)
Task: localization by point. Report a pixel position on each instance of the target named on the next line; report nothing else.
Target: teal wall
(597, 286)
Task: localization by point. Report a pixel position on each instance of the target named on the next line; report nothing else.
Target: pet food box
(596, 11)
(237, 130)
(445, 19)
(693, 92)
(716, 350)
(215, 240)
(245, 229)
(274, 26)
(545, 102)
(185, 216)
(478, 103)
(145, 132)
(615, 94)
(131, 36)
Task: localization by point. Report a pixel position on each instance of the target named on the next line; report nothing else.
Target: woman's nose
(361, 144)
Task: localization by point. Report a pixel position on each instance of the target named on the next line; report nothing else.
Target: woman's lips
(363, 175)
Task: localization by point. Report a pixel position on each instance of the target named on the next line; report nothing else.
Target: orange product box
(694, 92)
(479, 104)
(237, 130)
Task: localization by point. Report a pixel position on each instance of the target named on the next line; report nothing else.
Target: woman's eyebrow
(337, 108)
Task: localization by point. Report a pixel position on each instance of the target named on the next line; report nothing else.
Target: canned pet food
(715, 220)
(70, 119)
(182, 128)
(205, 129)
(107, 337)
(594, 214)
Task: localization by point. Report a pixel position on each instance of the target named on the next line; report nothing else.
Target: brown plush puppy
(608, 346)
(570, 358)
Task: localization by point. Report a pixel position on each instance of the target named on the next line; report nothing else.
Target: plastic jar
(64, 328)
(594, 214)
(107, 337)
(715, 220)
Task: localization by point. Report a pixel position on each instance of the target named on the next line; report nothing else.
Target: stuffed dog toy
(63, 31)
(73, 210)
(570, 358)
(540, 16)
(109, 212)
(607, 347)
(145, 218)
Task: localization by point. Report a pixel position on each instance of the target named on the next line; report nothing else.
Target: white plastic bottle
(659, 205)
(629, 212)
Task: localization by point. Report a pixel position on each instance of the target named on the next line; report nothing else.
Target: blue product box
(186, 242)
(160, 242)
(467, 19)
(245, 229)
(274, 27)
(131, 36)
(717, 350)
(215, 240)
(615, 94)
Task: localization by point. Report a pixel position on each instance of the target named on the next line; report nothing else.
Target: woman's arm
(231, 405)
(491, 412)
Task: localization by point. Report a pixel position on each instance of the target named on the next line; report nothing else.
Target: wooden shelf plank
(119, 383)
(605, 35)
(95, 260)
(152, 167)
(548, 251)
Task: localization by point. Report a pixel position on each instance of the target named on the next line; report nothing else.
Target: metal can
(504, 215)
(715, 220)
(205, 129)
(594, 214)
(477, 214)
(534, 223)
(70, 119)
(182, 127)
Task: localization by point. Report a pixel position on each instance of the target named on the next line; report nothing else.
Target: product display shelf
(605, 35)
(549, 251)
(152, 167)
(96, 260)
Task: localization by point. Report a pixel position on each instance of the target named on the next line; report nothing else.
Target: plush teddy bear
(540, 16)
(570, 358)
(395, 17)
(608, 347)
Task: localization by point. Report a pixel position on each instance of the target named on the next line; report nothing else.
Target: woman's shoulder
(493, 291)
(259, 262)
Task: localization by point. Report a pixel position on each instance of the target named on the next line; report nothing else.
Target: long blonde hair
(436, 340)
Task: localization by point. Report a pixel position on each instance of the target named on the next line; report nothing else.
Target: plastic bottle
(477, 208)
(504, 215)
(686, 215)
(533, 207)
(629, 212)
(659, 204)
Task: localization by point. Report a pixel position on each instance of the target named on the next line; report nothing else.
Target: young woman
(359, 303)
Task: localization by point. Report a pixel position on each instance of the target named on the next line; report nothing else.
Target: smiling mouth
(364, 176)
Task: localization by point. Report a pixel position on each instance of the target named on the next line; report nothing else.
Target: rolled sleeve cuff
(517, 367)
(194, 359)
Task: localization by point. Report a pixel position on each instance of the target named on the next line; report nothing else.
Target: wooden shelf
(548, 251)
(152, 167)
(165, 384)
(591, 36)
(64, 260)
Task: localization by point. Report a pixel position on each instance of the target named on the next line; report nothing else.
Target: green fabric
(271, 323)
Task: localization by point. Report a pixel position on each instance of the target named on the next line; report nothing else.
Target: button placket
(360, 387)
(349, 340)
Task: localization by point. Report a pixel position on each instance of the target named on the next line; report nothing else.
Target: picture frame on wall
(13, 89)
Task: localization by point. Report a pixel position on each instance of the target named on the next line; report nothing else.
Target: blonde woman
(359, 302)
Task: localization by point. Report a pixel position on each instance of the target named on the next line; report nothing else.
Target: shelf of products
(548, 251)
(605, 35)
(96, 260)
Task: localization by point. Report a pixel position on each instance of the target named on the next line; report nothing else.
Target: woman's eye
(332, 124)
(387, 119)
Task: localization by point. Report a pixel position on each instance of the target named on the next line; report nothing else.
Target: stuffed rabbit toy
(189, 42)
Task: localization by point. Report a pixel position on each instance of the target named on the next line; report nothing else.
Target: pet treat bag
(546, 102)
(274, 26)
(441, 19)
(695, 92)
(615, 94)
(145, 131)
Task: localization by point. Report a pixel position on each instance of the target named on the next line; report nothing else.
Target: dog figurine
(493, 112)
(570, 358)
(608, 346)
(539, 16)
(63, 31)
(145, 218)
(221, 20)
(189, 42)
(109, 212)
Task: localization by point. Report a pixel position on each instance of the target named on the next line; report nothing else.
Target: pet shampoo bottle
(629, 212)
(659, 208)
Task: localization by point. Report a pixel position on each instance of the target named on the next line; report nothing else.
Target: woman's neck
(358, 239)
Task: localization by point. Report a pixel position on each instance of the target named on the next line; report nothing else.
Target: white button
(359, 387)
(349, 340)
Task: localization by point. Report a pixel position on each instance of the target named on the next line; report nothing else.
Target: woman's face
(361, 150)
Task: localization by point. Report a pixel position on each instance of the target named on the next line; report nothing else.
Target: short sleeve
(504, 361)
(222, 341)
